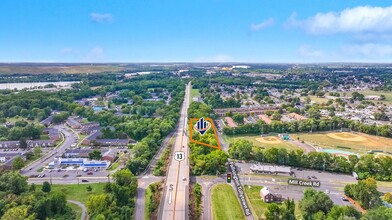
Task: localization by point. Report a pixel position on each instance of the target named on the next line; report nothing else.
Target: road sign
(179, 155)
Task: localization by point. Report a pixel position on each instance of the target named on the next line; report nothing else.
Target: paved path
(143, 183)
(82, 206)
(306, 147)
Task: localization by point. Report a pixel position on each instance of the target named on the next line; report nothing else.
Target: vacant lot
(264, 142)
(194, 93)
(225, 205)
(354, 142)
(255, 201)
(79, 192)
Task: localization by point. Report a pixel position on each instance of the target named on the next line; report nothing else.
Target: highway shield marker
(202, 125)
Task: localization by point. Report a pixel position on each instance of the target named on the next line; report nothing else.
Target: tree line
(365, 166)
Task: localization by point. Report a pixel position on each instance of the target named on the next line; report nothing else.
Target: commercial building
(83, 162)
(257, 168)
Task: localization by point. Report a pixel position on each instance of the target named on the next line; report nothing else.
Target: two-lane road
(176, 191)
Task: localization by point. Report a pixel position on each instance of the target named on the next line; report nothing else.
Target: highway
(174, 204)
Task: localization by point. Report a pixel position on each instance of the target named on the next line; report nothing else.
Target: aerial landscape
(199, 110)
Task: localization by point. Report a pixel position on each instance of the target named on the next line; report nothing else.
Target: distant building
(265, 118)
(53, 133)
(47, 121)
(248, 110)
(267, 196)
(257, 168)
(230, 122)
(89, 130)
(110, 155)
(296, 116)
(71, 122)
(40, 143)
(75, 153)
(9, 144)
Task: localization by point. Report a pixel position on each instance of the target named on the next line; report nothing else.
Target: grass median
(225, 204)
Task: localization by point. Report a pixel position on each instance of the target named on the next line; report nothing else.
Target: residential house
(47, 121)
(71, 122)
(40, 143)
(9, 144)
(268, 196)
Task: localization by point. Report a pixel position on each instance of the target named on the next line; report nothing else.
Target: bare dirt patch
(269, 140)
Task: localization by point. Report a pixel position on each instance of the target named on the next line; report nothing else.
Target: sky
(264, 31)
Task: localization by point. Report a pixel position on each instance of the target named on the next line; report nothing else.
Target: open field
(255, 201)
(60, 68)
(228, 208)
(388, 95)
(78, 192)
(357, 142)
(265, 142)
(194, 92)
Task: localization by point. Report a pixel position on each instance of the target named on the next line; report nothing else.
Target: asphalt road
(174, 204)
(143, 183)
(49, 157)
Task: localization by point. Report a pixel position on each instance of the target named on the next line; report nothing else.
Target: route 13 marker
(179, 155)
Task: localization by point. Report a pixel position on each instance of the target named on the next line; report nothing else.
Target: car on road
(309, 177)
(183, 178)
(314, 177)
(84, 181)
(90, 173)
(344, 199)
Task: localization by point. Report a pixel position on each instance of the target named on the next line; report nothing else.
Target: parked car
(309, 177)
(314, 177)
(84, 181)
(90, 173)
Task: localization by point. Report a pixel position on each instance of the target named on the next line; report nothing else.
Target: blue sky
(195, 31)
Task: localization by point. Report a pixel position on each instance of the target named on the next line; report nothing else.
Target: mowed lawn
(78, 192)
(258, 206)
(369, 142)
(225, 204)
(194, 92)
(253, 139)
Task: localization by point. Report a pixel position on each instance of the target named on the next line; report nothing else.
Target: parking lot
(330, 183)
(71, 173)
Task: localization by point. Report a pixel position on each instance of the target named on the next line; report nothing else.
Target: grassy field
(255, 201)
(76, 209)
(388, 95)
(358, 143)
(194, 92)
(228, 208)
(147, 203)
(268, 143)
(80, 138)
(78, 192)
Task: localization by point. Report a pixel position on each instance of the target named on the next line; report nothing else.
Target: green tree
(37, 151)
(241, 150)
(18, 163)
(17, 213)
(381, 213)
(274, 212)
(95, 155)
(238, 118)
(46, 187)
(387, 197)
(314, 202)
(13, 182)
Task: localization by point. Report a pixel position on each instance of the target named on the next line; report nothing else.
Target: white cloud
(101, 18)
(306, 51)
(67, 50)
(266, 23)
(95, 54)
(369, 50)
(216, 58)
(361, 19)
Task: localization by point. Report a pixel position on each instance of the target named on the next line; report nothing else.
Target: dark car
(309, 177)
(344, 198)
(314, 177)
(90, 173)
(84, 181)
